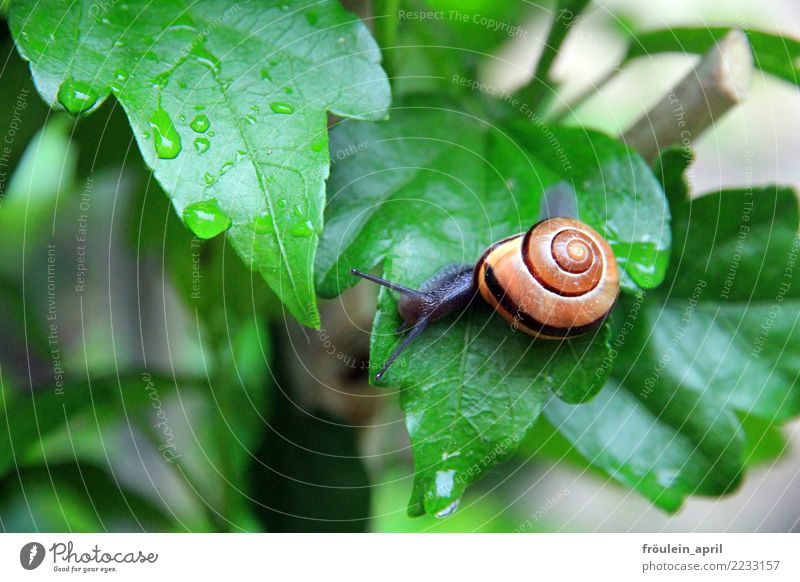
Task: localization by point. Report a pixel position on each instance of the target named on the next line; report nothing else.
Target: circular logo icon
(31, 555)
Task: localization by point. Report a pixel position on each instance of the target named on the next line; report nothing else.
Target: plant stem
(720, 81)
(566, 14)
(386, 30)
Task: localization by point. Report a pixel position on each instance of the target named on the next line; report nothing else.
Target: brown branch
(719, 82)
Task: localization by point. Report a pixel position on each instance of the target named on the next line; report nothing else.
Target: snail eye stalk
(388, 284)
(415, 328)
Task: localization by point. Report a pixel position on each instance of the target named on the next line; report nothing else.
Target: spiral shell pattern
(557, 280)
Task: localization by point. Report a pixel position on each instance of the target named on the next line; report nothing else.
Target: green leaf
(705, 368)
(764, 440)
(715, 343)
(728, 319)
(228, 106)
(405, 193)
(666, 444)
(472, 389)
(774, 54)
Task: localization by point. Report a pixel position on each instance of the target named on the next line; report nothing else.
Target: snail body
(557, 280)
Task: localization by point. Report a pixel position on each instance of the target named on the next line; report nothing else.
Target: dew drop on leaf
(77, 96)
(288, 90)
(204, 57)
(263, 224)
(206, 219)
(200, 123)
(201, 144)
(312, 17)
(318, 146)
(449, 509)
(279, 107)
(282, 203)
(208, 178)
(303, 229)
(266, 75)
(166, 139)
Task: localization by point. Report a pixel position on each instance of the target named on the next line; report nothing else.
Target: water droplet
(449, 509)
(166, 139)
(182, 118)
(120, 76)
(304, 229)
(282, 203)
(204, 57)
(263, 224)
(206, 219)
(200, 123)
(319, 145)
(199, 107)
(283, 108)
(298, 211)
(201, 144)
(312, 17)
(209, 179)
(266, 75)
(288, 90)
(182, 84)
(250, 119)
(255, 108)
(225, 167)
(160, 81)
(77, 96)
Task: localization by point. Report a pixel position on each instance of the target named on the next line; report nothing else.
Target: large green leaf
(773, 53)
(728, 320)
(708, 364)
(666, 445)
(433, 187)
(228, 106)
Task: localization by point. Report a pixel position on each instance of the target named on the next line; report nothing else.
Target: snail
(556, 281)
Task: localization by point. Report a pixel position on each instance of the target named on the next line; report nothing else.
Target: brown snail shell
(557, 280)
